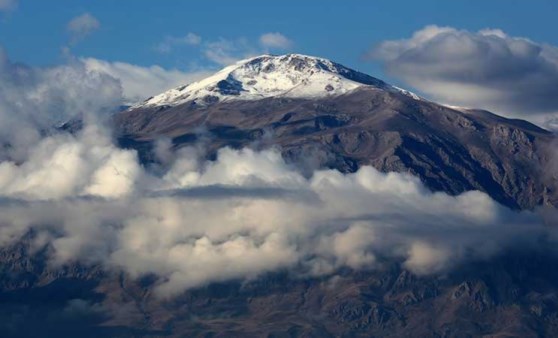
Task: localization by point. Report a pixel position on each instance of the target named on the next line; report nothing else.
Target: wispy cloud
(81, 26)
(8, 5)
(170, 42)
(225, 51)
(275, 41)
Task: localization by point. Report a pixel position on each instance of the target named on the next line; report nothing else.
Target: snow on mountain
(291, 75)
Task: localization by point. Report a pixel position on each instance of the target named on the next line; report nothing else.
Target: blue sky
(35, 31)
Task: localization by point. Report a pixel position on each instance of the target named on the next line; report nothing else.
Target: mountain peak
(290, 75)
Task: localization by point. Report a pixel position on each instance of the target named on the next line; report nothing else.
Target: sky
(35, 31)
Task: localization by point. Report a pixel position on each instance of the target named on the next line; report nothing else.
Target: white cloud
(487, 69)
(138, 82)
(170, 42)
(275, 41)
(62, 166)
(81, 26)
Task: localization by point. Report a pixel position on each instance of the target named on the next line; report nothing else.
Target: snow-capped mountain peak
(291, 75)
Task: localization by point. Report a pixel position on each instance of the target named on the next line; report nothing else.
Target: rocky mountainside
(319, 114)
(509, 296)
(324, 114)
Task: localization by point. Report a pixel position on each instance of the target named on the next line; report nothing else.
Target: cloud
(81, 26)
(170, 42)
(275, 41)
(221, 51)
(228, 51)
(486, 69)
(225, 52)
(194, 221)
(138, 82)
(36, 99)
(179, 227)
(82, 85)
(61, 166)
(7, 5)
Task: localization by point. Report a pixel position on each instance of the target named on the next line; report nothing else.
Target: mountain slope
(362, 121)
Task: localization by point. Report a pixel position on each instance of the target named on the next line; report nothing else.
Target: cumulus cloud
(486, 69)
(275, 41)
(7, 5)
(139, 83)
(81, 26)
(170, 42)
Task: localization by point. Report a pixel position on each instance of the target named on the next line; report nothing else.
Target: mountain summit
(291, 75)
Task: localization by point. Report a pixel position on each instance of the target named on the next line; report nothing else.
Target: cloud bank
(244, 214)
(485, 69)
(190, 221)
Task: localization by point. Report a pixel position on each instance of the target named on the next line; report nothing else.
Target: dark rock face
(450, 150)
(229, 87)
(509, 296)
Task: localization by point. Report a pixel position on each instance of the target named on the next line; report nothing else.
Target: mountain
(322, 114)
(319, 114)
